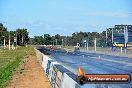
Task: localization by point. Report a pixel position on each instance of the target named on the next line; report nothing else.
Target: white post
(62, 42)
(77, 45)
(95, 44)
(112, 35)
(112, 38)
(22, 39)
(53, 42)
(121, 49)
(16, 39)
(106, 37)
(9, 41)
(56, 41)
(126, 38)
(4, 42)
(15, 42)
(87, 45)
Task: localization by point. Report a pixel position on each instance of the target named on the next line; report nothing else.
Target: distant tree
(38, 40)
(68, 40)
(47, 39)
(58, 38)
(77, 37)
(3, 33)
(22, 36)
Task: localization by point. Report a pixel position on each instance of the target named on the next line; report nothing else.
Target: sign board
(123, 36)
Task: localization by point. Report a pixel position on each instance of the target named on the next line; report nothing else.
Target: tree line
(77, 37)
(21, 37)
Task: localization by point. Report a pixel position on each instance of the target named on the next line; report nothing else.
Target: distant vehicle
(77, 50)
(52, 49)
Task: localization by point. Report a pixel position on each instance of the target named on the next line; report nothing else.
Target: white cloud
(111, 14)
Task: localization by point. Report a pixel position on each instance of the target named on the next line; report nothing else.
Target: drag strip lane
(94, 64)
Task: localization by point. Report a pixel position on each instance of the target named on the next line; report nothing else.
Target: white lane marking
(121, 62)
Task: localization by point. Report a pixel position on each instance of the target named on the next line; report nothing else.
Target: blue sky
(64, 16)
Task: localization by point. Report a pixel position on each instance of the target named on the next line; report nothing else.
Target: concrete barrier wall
(39, 55)
(69, 82)
(45, 63)
(59, 76)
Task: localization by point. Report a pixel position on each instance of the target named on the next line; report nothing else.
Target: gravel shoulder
(30, 75)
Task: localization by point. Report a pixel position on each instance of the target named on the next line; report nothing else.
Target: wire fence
(102, 46)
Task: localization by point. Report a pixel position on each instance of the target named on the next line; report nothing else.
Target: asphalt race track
(94, 63)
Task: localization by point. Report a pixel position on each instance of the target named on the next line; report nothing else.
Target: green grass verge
(9, 61)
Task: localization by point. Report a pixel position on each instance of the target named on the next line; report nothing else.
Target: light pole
(106, 37)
